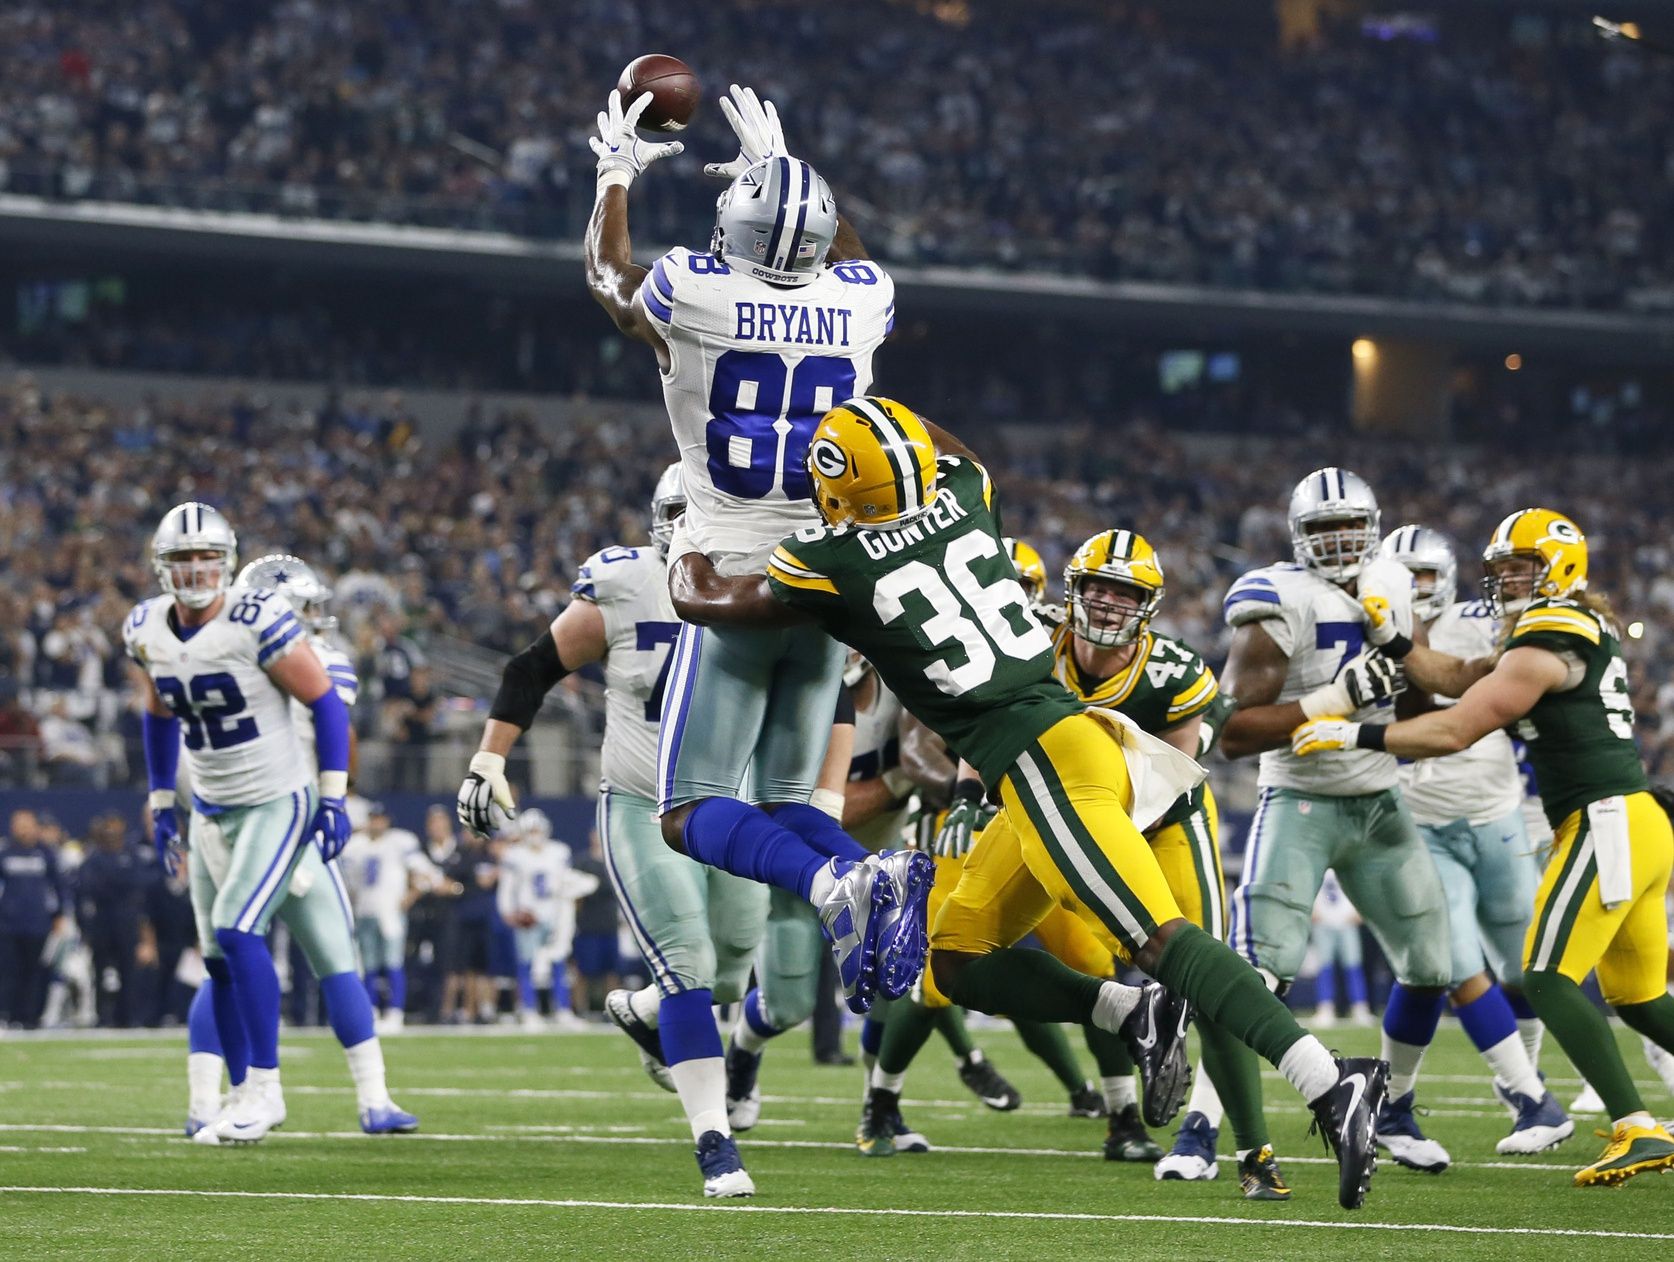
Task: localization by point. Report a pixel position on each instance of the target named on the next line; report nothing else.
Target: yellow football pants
(1063, 838)
(1573, 933)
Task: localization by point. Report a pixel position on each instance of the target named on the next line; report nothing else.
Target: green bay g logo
(827, 459)
(1563, 531)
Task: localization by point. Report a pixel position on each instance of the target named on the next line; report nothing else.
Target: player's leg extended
(787, 972)
(215, 1033)
(320, 919)
(1571, 933)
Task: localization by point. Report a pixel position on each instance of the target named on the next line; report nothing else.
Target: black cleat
(1259, 1177)
(646, 1040)
(1086, 1101)
(875, 1136)
(1346, 1117)
(1127, 1139)
(1155, 1032)
(986, 1084)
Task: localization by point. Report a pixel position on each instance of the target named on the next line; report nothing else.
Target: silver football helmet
(534, 823)
(776, 222)
(194, 528)
(668, 501)
(295, 579)
(1341, 503)
(1423, 550)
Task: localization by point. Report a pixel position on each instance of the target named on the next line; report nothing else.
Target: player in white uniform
(1468, 807)
(536, 897)
(1297, 651)
(219, 664)
(386, 868)
(1336, 945)
(756, 338)
(696, 926)
(317, 910)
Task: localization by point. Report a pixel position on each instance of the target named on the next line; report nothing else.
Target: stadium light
(1513, 362)
(1364, 349)
(1636, 630)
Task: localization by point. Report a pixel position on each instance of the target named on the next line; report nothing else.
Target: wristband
(487, 764)
(968, 789)
(1326, 701)
(161, 800)
(334, 784)
(1371, 735)
(1398, 647)
(829, 801)
(616, 177)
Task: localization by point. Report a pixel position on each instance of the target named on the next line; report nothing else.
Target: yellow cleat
(1632, 1150)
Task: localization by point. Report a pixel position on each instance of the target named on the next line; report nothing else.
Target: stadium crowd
(1531, 168)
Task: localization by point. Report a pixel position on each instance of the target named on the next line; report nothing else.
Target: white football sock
(868, 1062)
(203, 1082)
(745, 1035)
(1119, 1092)
(702, 1086)
(366, 1067)
(645, 1003)
(1510, 1063)
(1205, 1099)
(825, 880)
(1114, 1004)
(1641, 1118)
(1404, 1060)
(1531, 1030)
(261, 1077)
(1309, 1067)
(889, 1082)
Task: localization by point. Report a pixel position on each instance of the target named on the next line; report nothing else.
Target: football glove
(1318, 736)
(1369, 678)
(621, 151)
(485, 804)
(1381, 631)
(165, 835)
(756, 124)
(332, 827)
(967, 817)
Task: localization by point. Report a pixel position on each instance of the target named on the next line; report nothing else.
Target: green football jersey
(936, 607)
(1580, 740)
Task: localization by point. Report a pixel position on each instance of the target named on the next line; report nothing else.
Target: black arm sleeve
(527, 679)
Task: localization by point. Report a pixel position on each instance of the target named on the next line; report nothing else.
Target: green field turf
(558, 1146)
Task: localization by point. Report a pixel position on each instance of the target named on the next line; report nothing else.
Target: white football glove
(1318, 736)
(622, 154)
(756, 123)
(1369, 678)
(485, 803)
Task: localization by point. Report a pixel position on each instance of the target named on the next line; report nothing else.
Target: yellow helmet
(871, 463)
(1555, 548)
(1031, 570)
(1117, 556)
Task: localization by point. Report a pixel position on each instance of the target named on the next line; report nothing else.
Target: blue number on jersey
(617, 554)
(855, 272)
(1351, 635)
(210, 707)
(647, 636)
(706, 265)
(541, 890)
(249, 608)
(371, 877)
(746, 399)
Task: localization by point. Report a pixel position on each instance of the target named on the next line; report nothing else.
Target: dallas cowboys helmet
(776, 222)
(1336, 497)
(1420, 549)
(294, 579)
(668, 501)
(194, 528)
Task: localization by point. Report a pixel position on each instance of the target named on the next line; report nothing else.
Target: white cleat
(1193, 1156)
(202, 1131)
(391, 1022)
(247, 1119)
(1588, 1101)
(1398, 1133)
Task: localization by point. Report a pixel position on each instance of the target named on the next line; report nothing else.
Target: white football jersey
(1480, 784)
(539, 879)
(753, 368)
(1320, 627)
(1332, 908)
(241, 746)
(630, 587)
(877, 749)
(377, 870)
(341, 671)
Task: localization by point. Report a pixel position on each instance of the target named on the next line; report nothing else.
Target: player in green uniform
(910, 570)
(1561, 679)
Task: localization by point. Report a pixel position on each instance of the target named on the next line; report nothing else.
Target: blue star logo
(281, 577)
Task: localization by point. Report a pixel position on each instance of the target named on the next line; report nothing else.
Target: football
(673, 87)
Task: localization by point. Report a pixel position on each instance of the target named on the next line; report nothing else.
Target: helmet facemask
(1513, 581)
(1335, 547)
(197, 575)
(1108, 612)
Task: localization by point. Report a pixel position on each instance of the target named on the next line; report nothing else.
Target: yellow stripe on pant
(1573, 933)
(1063, 839)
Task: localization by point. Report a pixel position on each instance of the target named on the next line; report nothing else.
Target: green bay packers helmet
(1122, 557)
(1553, 555)
(1031, 570)
(871, 463)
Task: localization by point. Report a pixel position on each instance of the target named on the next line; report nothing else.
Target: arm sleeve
(331, 731)
(161, 735)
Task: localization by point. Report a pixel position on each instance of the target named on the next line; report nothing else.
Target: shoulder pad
(611, 573)
(1252, 597)
(659, 290)
(1557, 617)
(268, 617)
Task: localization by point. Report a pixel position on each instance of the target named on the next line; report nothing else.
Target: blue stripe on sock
(1412, 1018)
(686, 1027)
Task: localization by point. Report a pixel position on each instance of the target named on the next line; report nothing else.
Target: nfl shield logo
(1302, 808)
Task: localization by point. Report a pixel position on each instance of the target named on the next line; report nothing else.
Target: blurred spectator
(597, 921)
(34, 904)
(433, 925)
(68, 751)
(411, 717)
(113, 886)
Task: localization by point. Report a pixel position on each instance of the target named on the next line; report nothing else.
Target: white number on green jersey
(974, 618)
(1618, 702)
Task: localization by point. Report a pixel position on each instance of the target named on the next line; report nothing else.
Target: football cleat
(195, 1124)
(248, 1117)
(851, 917)
(987, 1085)
(1086, 1101)
(1126, 1139)
(1540, 1124)
(1397, 1130)
(723, 1169)
(1632, 1150)
(1259, 1177)
(387, 1119)
(879, 1117)
(646, 1041)
(1155, 1032)
(743, 1089)
(1193, 1154)
(904, 933)
(1346, 1117)
(1588, 1101)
